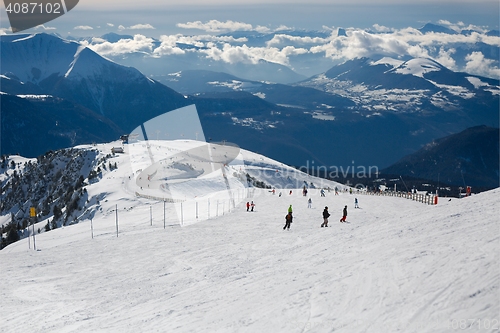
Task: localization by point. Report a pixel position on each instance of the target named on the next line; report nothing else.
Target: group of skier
(288, 218)
(250, 205)
(326, 214)
(289, 215)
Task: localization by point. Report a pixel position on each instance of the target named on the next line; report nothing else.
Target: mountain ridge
(470, 157)
(364, 112)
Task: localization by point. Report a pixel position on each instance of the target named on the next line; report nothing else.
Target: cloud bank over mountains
(462, 47)
(456, 45)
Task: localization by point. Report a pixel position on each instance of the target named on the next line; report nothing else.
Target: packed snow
(132, 265)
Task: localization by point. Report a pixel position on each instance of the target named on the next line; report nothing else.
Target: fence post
(151, 214)
(182, 215)
(164, 214)
(116, 218)
(34, 244)
(196, 209)
(91, 229)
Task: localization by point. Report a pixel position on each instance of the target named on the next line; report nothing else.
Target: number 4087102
(34, 8)
(464, 324)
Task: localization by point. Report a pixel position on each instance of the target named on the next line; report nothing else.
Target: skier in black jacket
(288, 219)
(344, 214)
(326, 215)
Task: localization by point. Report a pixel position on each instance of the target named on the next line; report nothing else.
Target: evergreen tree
(12, 236)
(79, 183)
(57, 212)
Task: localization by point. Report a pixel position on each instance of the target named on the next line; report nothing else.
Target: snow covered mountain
(393, 107)
(46, 64)
(417, 85)
(372, 112)
(133, 263)
(367, 87)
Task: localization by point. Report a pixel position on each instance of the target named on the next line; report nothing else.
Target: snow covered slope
(397, 265)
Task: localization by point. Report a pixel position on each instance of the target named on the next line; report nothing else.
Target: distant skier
(290, 192)
(336, 190)
(350, 190)
(252, 205)
(322, 192)
(344, 213)
(356, 203)
(248, 206)
(309, 203)
(326, 215)
(288, 221)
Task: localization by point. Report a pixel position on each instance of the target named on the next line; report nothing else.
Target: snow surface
(388, 61)
(396, 266)
(418, 67)
(41, 97)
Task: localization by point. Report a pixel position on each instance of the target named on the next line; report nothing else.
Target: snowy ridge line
(169, 200)
(423, 198)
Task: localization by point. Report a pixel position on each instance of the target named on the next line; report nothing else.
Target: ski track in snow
(397, 266)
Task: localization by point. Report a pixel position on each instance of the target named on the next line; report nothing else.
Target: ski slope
(396, 266)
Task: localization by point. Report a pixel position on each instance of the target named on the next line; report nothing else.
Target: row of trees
(54, 184)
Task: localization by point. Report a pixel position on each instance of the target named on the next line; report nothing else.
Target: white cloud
(362, 44)
(140, 43)
(110, 24)
(83, 27)
(141, 26)
(41, 26)
(252, 55)
(286, 40)
(282, 28)
(445, 58)
(218, 26)
(479, 65)
(381, 28)
(284, 46)
(136, 27)
(168, 45)
(459, 26)
(408, 42)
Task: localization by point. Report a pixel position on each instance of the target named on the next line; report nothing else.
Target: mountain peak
(430, 27)
(36, 57)
(418, 67)
(388, 61)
